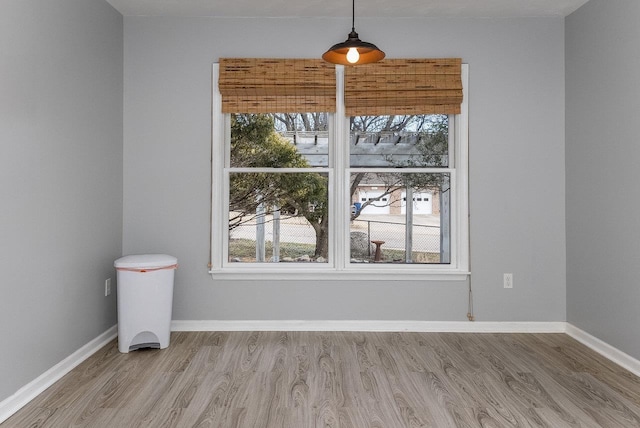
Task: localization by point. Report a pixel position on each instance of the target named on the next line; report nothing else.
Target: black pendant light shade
(353, 51)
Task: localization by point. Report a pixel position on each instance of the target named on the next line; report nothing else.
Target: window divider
(340, 163)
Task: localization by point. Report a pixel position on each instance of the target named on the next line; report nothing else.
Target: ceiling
(342, 8)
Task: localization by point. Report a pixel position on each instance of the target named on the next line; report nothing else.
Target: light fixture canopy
(353, 51)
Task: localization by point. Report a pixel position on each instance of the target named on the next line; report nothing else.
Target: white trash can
(145, 299)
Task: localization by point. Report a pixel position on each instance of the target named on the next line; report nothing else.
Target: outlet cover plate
(508, 280)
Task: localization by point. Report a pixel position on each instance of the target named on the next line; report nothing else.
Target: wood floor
(331, 379)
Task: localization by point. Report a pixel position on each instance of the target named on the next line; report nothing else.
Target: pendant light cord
(353, 15)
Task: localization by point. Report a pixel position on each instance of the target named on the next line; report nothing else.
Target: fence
(296, 240)
(425, 240)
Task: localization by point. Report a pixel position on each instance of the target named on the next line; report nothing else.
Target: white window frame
(339, 266)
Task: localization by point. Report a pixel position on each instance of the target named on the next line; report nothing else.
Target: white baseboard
(369, 325)
(31, 390)
(614, 354)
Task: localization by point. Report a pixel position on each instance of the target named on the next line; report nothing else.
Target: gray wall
(516, 150)
(603, 153)
(60, 179)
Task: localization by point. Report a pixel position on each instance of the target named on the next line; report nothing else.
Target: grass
(417, 256)
(245, 249)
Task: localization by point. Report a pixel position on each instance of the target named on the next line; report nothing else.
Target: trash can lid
(145, 261)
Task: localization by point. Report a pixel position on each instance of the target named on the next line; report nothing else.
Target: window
(326, 195)
(400, 155)
(278, 188)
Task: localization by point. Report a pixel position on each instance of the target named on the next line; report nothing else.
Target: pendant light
(353, 51)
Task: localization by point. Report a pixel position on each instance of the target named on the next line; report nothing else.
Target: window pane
(399, 141)
(382, 206)
(278, 217)
(279, 140)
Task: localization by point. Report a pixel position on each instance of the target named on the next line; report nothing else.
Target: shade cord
(470, 315)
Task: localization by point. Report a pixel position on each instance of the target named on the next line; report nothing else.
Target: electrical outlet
(508, 280)
(107, 287)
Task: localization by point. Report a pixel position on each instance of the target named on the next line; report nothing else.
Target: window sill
(330, 274)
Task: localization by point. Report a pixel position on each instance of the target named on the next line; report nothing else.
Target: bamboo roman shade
(252, 85)
(404, 86)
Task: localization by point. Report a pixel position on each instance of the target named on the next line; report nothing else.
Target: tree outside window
(279, 211)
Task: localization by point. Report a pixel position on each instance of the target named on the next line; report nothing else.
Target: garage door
(376, 207)
(422, 203)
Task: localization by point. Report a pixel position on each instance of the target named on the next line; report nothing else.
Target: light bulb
(353, 55)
